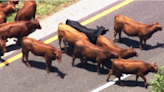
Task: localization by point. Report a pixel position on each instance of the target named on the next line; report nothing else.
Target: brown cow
(133, 28)
(122, 53)
(7, 8)
(83, 48)
(137, 67)
(27, 12)
(69, 34)
(18, 29)
(40, 49)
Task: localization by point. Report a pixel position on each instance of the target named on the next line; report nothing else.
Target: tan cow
(122, 53)
(69, 34)
(40, 49)
(133, 28)
(138, 67)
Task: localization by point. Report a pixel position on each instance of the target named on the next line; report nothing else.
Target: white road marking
(110, 83)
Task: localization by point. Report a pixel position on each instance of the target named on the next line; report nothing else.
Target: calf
(122, 53)
(137, 67)
(92, 34)
(40, 49)
(18, 29)
(27, 12)
(133, 28)
(83, 48)
(69, 35)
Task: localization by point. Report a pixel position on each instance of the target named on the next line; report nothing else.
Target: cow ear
(131, 47)
(98, 27)
(154, 22)
(62, 51)
(107, 29)
(54, 52)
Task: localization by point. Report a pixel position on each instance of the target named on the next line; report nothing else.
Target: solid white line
(110, 83)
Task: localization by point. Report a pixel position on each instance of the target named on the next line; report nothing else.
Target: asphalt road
(16, 77)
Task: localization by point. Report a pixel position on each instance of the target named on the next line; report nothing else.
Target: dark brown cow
(18, 29)
(122, 53)
(69, 34)
(27, 12)
(40, 49)
(137, 67)
(7, 8)
(133, 28)
(85, 49)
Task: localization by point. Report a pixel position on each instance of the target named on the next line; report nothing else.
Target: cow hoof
(48, 72)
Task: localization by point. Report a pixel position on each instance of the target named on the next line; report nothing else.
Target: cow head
(10, 8)
(37, 24)
(102, 29)
(58, 55)
(133, 52)
(114, 54)
(154, 68)
(158, 26)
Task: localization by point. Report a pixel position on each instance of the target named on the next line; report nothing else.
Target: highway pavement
(17, 77)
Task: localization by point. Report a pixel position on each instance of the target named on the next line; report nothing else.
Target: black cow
(92, 34)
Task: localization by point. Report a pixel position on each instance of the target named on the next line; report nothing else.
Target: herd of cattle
(88, 44)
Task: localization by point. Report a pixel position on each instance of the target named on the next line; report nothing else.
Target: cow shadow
(93, 67)
(13, 47)
(70, 50)
(135, 44)
(131, 83)
(41, 65)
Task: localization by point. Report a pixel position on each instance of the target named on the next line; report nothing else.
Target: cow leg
(109, 74)
(50, 65)
(26, 57)
(145, 46)
(19, 41)
(137, 79)
(60, 38)
(144, 80)
(65, 45)
(120, 36)
(73, 59)
(98, 68)
(120, 81)
(114, 35)
(140, 43)
(47, 65)
(22, 55)
(82, 59)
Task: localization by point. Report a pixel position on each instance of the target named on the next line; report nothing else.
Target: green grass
(158, 83)
(44, 8)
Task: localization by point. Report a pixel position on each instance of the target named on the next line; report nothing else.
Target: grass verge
(45, 8)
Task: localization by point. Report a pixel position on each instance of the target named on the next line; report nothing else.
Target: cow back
(70, 34)
(27, 12)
